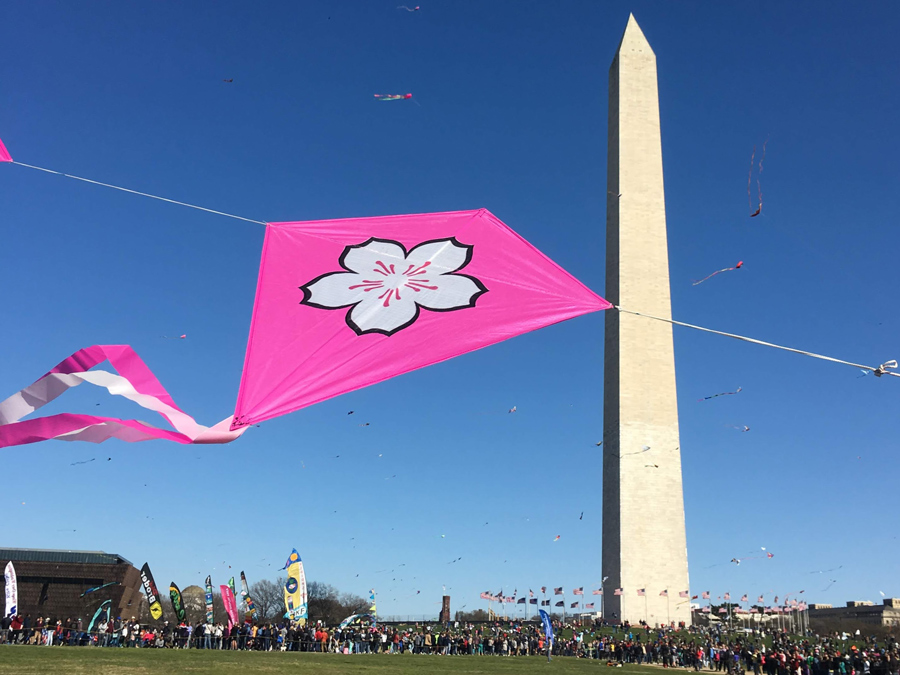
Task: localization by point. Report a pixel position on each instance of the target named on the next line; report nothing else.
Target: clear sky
(511, 116)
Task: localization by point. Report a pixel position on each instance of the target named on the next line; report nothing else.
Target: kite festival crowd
(714, 648)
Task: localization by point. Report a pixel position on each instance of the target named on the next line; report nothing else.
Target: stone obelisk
(644, 544)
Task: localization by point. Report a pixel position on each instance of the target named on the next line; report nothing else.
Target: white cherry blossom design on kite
(385, 286)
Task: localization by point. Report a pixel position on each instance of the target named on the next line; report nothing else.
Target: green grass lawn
(24, 660)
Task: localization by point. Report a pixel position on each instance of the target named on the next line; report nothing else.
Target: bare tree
(327, 604)
(268, 596)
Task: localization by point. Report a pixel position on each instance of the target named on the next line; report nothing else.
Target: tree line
(326, 603)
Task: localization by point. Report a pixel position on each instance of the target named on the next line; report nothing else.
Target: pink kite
(4, 153)
(343, 304)
(392, 97)
(340, 305)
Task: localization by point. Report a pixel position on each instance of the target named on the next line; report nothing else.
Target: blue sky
(511, 117)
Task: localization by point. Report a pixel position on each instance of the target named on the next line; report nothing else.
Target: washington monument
(644, 544)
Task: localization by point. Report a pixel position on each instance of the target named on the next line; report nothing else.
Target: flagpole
(668, 617)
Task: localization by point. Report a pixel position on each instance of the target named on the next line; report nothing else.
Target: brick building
(50, 582)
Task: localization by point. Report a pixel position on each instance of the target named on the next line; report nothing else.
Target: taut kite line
(365, 295)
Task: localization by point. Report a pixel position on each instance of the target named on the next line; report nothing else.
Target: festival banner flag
(548, 627)
(295, 599)
(344, 304)
(231, 586)
(372, 608)
(230, 604)
(156, 610)
(209, 600)
(177, 601)
(245, 593)
(12, 591)
(101, 615)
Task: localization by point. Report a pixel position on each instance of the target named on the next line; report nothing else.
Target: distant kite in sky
(724, 393)
(738, 561)
(513, 409)
(753, 213)
(393, 97)
(556, 538)
(230, 80)
(409, 9)
(833, 569)
(174, 337)
(646, 448)
(581, 517)
(365, 424)
(742, 429)
(87, 461)
(97, 588)
(351, 412)
(726, 269)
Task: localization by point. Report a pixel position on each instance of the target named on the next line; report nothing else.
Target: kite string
(759, 342)
(143, 194)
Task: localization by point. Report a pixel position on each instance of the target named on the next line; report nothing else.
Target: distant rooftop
(61, 556)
